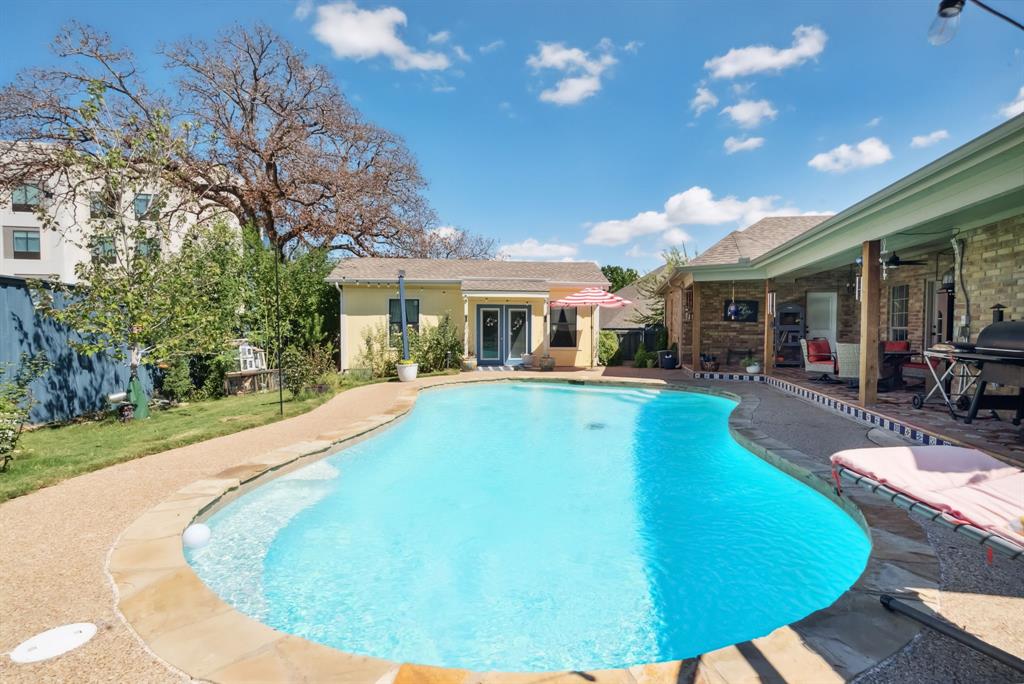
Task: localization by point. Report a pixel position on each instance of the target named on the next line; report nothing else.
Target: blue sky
(599, 130)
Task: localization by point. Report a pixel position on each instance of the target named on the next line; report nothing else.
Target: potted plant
(752, 365)
(547, 363)
(469, 362)
(406, 370)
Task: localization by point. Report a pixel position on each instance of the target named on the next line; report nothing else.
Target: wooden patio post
(769, 330)
(695, 336)
(465, 325)
(869, 309)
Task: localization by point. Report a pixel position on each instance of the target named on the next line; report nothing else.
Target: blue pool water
(521, 526)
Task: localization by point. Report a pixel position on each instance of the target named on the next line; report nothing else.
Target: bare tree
(261, 133)
(446, 243)
(279, 146)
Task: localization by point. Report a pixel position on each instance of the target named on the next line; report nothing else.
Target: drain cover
(596, 426)
(53, 642)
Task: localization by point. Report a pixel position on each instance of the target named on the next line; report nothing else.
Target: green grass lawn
(49, 455)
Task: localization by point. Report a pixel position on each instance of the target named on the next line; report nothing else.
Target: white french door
(822, 311)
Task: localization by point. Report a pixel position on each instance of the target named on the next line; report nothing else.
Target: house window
(25, 244)
(99, 207)
(103, 250)
(412, 318)
(147, 247)
(143, 207)
(563, 327)
(899, 300)
(25, 198)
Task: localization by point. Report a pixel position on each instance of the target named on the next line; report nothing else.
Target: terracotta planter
(547, 363)
(406, 371)
(528, 360)
(469, 363)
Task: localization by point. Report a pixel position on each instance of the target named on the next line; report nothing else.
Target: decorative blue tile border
(864, 415)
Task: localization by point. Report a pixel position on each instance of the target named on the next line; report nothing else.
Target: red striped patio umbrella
(592, 296)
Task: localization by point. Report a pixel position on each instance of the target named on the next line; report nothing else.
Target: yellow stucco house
(502, 308)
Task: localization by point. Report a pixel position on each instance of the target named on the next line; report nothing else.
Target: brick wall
(718, 335)
(839, 280)
(993, 269)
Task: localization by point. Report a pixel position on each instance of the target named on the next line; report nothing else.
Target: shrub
(378, 356)
(16, 402)
(607, 347)
(652, 362)
(640, 357)
(437, 347)
(177, 381)
(304, 369)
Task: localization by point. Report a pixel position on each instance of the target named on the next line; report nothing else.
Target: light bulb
(943, 29)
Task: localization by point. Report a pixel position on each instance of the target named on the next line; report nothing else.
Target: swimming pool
(535, 526)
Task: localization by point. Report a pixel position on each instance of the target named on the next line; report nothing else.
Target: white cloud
(874, 122)
(930, 139)
(750, 113)
(303, 8)
(461, 54)
(445, 231)
(808, 43)
(632, 46)
(703, 101)
(492, 46)
(1012, 109)
(354, 33)
(696, 206)
(444, 88)
(734, 145)
(868, 152)
(439, 37)
(533, 249)
(582, 72)
(741, 88)
(675, 237)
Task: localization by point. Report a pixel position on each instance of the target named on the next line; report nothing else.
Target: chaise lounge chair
(965, 489)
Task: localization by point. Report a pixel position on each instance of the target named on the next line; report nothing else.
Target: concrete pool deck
(61, 537)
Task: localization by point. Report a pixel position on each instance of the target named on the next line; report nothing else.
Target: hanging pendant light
(946, 22)
(733, 311)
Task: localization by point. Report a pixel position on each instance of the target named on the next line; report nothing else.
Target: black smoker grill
(999, 354)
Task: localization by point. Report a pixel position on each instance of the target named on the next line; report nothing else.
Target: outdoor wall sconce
(997, 313)
(947, 21)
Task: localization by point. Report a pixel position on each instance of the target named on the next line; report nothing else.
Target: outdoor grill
(999, 356)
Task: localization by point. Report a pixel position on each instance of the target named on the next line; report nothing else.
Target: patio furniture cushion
(900, 346)
(966, 484)
(818, 351)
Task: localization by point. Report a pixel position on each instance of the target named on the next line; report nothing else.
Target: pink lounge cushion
(818, 351)
(901, 346)
(967, 484)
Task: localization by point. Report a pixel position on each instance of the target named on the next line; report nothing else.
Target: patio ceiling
(976, 184)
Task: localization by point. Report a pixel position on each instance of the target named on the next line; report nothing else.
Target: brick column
(870, 303)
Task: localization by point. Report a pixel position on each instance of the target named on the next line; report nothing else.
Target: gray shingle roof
(459, 270)
(757, 239)
(497, 285)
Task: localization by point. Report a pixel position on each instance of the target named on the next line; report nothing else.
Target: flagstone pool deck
(157, 622)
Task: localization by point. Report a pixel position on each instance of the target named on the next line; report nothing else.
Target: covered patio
(932, 259)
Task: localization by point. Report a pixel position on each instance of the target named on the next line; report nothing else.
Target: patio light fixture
(947, 21)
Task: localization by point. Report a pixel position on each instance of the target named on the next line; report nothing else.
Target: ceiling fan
(895, 262)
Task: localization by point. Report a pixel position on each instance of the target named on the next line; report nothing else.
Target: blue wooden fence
(74, 384)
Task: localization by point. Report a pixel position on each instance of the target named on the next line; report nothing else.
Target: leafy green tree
(160, 281)
(308, 304)
(619, 277)
(647, 288)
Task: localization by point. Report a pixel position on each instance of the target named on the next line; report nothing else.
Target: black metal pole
(277, 306)
(954, 633)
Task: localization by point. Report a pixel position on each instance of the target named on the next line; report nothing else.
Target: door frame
(479, 334)
(834, 327)
(504, 311)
